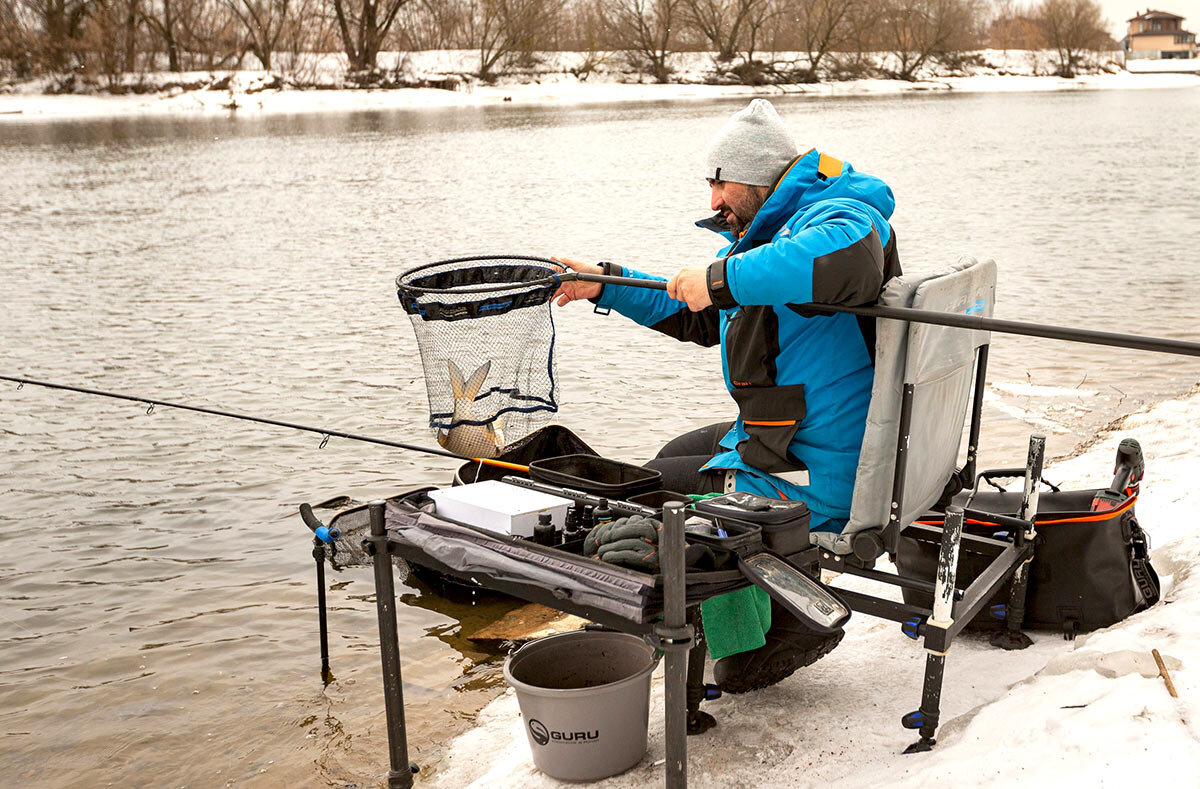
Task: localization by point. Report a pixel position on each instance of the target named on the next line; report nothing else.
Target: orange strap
(1099, 516)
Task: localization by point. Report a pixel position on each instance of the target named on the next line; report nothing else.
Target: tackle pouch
(1089, 570)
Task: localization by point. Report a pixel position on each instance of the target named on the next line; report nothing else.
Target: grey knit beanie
(753, 147)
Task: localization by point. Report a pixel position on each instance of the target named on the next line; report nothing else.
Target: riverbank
(557, 78)
(1086, 712)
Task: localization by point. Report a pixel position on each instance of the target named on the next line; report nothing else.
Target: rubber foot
(922, 745)
(699, 722)
(1011, 640)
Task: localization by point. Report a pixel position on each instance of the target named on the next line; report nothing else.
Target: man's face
(738, 203)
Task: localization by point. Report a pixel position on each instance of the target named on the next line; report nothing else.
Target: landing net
(486, 338)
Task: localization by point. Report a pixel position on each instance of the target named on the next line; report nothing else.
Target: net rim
(404, 279)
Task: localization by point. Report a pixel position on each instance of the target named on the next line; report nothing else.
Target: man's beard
(741, 215)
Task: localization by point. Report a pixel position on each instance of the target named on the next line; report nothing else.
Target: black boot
(790, 645)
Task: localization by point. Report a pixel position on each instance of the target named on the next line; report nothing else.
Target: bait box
(500, 508)
(596, 475)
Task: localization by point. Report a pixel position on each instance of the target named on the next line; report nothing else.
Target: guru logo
(541, 735)
(538, 730)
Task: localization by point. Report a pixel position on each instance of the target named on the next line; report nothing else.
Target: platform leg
(937, 643)
(318, 553)
(675, 636)
(400, 776)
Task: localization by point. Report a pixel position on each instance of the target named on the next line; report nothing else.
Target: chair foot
(699, 722)
(922, 745)
(1011, 640)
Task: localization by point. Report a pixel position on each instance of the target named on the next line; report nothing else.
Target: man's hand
(691, 285)
(573, 291)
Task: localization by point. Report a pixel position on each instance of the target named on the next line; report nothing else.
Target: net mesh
(486, 338)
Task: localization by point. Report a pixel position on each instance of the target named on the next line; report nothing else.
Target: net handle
(606, 279)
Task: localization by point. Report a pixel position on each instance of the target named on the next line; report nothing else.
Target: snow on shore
(1086, 713)
(551, 82)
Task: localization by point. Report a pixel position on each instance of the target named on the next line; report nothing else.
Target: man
(800, 229)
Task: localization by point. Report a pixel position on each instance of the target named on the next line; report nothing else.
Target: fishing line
(325, 432)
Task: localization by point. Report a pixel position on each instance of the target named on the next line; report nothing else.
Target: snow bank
(555, 79)
(1087, 713)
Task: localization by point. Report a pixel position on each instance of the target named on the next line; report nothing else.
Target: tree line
(753, 41)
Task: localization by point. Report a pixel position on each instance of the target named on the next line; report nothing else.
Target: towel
(736, 622)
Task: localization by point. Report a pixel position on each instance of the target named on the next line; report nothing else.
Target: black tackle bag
(1090, 569)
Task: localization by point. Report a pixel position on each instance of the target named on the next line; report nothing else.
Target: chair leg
(926, 718)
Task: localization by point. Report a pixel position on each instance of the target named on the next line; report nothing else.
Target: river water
(158, 622)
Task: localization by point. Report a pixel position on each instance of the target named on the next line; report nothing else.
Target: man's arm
(656, 309)
(840, 260)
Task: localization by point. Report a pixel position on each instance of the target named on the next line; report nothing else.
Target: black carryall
(1090, 568)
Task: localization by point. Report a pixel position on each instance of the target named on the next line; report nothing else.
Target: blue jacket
(802, 383)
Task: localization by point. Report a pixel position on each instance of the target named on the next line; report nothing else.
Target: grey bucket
(585, 701)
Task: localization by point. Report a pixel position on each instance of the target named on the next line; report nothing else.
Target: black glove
(630, 542)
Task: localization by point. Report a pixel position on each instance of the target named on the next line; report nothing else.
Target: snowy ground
(1086, 713)
(552, 81)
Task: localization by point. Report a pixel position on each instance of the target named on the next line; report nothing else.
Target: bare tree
(914, 31)
(1071, 27)
(499, 29)
(643, 29)
(264, 22)
(363, 25)
(819, 27)
(724, 23)
(18, 38)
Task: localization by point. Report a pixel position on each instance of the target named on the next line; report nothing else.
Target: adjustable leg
(400, 776)
(318, 553)
(675, 637)
(936, 641)
(1011, 636)
(698, 721)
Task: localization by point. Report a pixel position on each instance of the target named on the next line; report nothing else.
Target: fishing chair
(928, 379)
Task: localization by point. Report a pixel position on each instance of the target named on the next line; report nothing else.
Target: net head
(486, 338)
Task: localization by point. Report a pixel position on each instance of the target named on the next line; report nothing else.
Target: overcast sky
(1117, 11)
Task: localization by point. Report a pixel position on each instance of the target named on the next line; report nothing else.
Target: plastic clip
(912, 628)
(913, 720)
(672, 638)
(999, 611)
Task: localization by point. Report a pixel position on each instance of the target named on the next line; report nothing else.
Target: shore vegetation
(123, 46)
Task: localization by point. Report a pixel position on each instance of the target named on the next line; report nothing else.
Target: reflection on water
(157, 585)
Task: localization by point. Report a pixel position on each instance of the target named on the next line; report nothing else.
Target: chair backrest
(938, 363)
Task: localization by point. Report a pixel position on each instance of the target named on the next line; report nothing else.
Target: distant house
(1158, 34)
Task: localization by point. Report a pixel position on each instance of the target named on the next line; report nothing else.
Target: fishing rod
(1112, 339)
(326, 432)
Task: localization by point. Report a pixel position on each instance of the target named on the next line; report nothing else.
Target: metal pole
(400, 776)
(675, 636)
(1114, 339)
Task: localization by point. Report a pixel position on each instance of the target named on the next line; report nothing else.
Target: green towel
(736, 622)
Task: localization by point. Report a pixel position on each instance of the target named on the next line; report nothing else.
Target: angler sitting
(800, 228)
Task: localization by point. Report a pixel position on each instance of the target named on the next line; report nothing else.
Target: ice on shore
(1086, 713)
